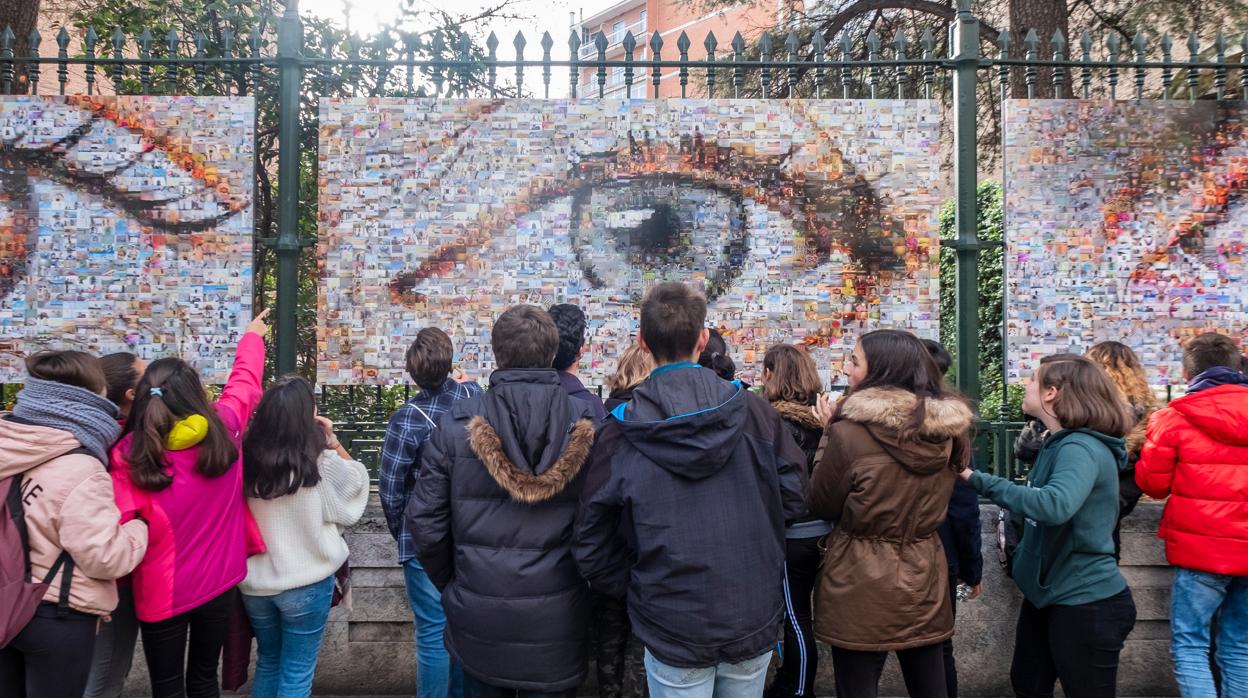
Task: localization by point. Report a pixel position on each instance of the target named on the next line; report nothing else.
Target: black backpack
(19, 596)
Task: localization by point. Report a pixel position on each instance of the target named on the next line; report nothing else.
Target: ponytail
(169, 391)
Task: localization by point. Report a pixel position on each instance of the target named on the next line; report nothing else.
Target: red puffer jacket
(1196, 452)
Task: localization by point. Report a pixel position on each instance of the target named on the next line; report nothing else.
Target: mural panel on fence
(125, 225)
(804, 221)
(1126, 221)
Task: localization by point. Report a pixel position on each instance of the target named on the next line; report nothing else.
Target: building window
(617, 32)
(642, 22)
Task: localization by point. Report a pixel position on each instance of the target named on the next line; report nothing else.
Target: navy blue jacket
(961, 534)
(683, 513)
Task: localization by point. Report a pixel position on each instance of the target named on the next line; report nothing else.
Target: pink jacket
(69, 506)
(199, 536)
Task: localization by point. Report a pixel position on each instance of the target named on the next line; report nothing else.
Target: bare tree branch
(835, 23)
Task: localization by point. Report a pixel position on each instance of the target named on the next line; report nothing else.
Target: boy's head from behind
(570, 322)
(429, 358)
(1210, 350)
(524, 336)
(673, 323)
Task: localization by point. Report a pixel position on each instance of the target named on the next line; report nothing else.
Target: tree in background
(22, 16)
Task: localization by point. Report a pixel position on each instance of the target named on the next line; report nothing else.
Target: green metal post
(289, 54)
(965, 54)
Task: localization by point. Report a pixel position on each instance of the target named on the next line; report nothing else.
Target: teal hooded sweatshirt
(1066, 556)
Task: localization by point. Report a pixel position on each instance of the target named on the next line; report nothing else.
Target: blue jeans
(1197, 598)
(741, 680)
(288, 629)
(436, 675)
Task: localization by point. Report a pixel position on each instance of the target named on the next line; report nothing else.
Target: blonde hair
(1126, 372)
(634, 368)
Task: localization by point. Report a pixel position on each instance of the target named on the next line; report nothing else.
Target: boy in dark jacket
(698, 476)
(570, 321)
(492, 517)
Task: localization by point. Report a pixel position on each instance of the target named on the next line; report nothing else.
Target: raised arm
(245, 385)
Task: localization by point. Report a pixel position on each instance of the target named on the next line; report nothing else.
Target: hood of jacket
(798, 414)
(684, 418)
(1117, 445)
(886, 412)
(26, 446)
(1220, 412)
(529, 439)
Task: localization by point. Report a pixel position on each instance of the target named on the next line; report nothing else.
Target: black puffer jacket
(492, 516)
(703, 476)
(806, 431)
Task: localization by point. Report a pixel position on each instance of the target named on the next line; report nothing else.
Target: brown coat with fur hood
(883, 584)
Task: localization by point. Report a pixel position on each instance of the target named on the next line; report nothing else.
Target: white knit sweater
(303, 531)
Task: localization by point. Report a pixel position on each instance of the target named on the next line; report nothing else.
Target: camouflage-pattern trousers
(619, 655)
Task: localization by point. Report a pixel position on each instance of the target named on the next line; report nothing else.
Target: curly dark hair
(570, 321)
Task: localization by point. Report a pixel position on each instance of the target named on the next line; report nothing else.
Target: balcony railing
(614, 37)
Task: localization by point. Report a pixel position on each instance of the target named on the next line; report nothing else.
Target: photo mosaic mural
(1126, 221)
(803, 221)
(125, 225)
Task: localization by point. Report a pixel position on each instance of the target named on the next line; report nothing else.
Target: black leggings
(51, 657)
(1078, 645)
(796, 676)
(174, 671)
(858, 673)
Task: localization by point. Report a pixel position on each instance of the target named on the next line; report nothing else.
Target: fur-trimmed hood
(522, 484)
(797, 413)
(886, 412)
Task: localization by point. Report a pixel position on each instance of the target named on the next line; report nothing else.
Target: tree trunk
(1046, 17)
(22, 16)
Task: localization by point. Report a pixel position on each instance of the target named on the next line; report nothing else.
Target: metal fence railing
(286, 67)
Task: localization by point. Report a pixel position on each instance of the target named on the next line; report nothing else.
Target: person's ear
(1048, 394)
(641, 342)
(702, 340)
(130, 395)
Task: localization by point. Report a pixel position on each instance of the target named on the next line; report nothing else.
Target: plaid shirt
(410, 427)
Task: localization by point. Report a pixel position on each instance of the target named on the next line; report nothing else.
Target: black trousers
(946, 648)
(476, 688)
(858, 673)
(796, 676)
(1077, 645)
(51, 657)
(174, 671)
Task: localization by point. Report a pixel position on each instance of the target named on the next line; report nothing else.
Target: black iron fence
(288, 69)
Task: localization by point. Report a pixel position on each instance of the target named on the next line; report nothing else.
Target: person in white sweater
(303, 489)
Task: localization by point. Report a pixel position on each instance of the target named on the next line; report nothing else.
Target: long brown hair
(170, 390)
(75, 368)
(793, 378)
(1086, 397)
(283, 445)
(634, 367)
(900, 360)
(1126, 372)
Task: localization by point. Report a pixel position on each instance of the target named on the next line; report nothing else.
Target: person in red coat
(1196, 453)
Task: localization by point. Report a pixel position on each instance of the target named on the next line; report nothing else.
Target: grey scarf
(90, 418)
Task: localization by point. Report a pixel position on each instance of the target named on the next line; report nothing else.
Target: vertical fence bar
(145, 68)
(600, 43)
(89, 49)
(547, 44)
(32, 68)
(710, 44)
(1193, 56)
(656, 50)
(900, 46)
(1140, 45)
(171, 71)
(1003, 70)
(201, 72)
(682, 46)
(764, 59)
(1114, 44)
(1031, 47)
(519, 42)
(1085, 70)
(1243, 66)
(817, 47)
(791, 46)
(491, 65)
(1058, 44)
(965, 55)
(257, 70)
(7, 40)
(290, 66)
(844, 49)
(738, 70)
(381, 47)
(630, 45)
(230, 73)
(929, 66)
(1219, 75)
(574, 65)
(873, 57)
(62, 55)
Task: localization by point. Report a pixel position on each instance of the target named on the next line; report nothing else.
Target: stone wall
(369, 649)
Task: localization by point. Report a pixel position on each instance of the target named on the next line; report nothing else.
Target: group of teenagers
(680, 533)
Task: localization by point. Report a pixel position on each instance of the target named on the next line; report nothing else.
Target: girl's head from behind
(76, 368)
(171, 395)
(1074, 393)
(284, 441)
(715, 357)
(895, 359)
(1125, 371)
(122, 372)
(634, 367)
(790, 375)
